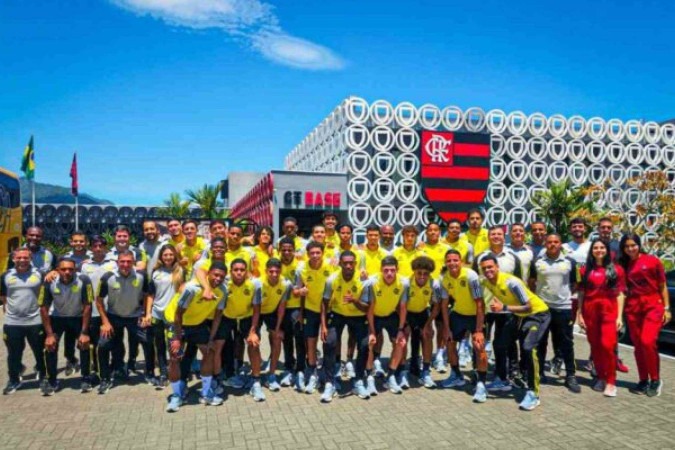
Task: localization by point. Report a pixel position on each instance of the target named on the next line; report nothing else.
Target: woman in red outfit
(647, 310)
(600, 309)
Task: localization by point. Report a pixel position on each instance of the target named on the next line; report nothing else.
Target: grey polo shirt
(68, 300)
(556, 280)
(125, 294)
(22, 292)
(79, 259)
(95, 270)
(151, 251)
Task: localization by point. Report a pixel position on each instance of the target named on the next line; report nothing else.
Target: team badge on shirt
(462, 283)
(279, 291)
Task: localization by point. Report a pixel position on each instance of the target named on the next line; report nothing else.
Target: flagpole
(32, 188)
(76, 213)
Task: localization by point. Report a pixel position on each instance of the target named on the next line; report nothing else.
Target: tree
(174, 206)
(563, 202)
(206, 197)
(654, 214)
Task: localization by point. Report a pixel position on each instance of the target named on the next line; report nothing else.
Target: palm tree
(174, 206)
(206, 197)
(562, 202)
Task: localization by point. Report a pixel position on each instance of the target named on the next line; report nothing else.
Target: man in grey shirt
(151, 245)
(65, 308)
(20, 289)
(41, 258)
(554, 279)
(128, 308)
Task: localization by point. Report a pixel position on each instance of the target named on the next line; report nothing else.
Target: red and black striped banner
(455, 171)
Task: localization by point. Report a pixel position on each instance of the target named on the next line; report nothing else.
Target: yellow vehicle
(10, 216)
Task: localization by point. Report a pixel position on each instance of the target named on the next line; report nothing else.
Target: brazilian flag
(28, 161)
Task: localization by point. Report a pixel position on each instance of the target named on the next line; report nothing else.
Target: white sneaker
(370, 386)
(349, 370)
(286, 379)
(378, 370)
(311, 384)
(610, 390)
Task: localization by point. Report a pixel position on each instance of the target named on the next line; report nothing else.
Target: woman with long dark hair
(647, 310)
(167, 279)
(601, 290)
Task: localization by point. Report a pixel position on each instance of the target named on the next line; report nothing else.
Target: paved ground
(134, 417)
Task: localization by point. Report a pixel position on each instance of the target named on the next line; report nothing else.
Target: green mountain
(50, 193)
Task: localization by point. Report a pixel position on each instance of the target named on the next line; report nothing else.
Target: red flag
(73, 175)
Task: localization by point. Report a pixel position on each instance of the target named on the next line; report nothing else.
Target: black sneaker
(131, 366)
(164, 382)
(640, 388)
(543, 379)
(151, 380)
(85, 387)
(94, 380)
(655, 388)
(572, 384)
(72, 367)
(11, 387)
(518, 381)
(556, 366)
(104, 387)
(47, 389)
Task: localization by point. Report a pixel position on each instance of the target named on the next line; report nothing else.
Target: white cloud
(251, 20)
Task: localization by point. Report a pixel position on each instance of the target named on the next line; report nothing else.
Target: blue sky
(163, 95)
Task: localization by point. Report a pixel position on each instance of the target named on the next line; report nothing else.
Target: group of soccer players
(196, 307)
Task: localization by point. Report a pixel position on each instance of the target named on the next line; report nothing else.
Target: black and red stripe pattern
(455, 171)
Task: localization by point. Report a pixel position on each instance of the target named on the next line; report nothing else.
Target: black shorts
(238, 326)
(197, 334)
(389, 323)
(312, 323)
(417, 319)
(270, 321)
(221, 332)
(460, 325)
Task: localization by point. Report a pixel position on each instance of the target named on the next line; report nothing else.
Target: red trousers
(644, 317)
(600, 316)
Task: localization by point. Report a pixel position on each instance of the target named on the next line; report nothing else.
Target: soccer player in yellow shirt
(342, 307)
(264, 246)
(275, 293)
(477, 235)
(461, 285)
(511, 295)
(454, 240)
(310, 283)
(387, 298)
(423, 296)
(330, 221)
(294, 340)
(235, 250)
(191, 248)
(242, 315)
(373, 253)
(290, 230)
(405, 253)
(195, 320)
